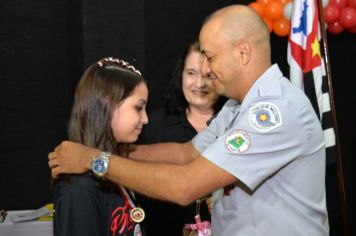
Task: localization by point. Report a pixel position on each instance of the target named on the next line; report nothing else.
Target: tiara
(109, 61)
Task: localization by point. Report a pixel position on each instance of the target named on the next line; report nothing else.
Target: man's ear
(243, 51)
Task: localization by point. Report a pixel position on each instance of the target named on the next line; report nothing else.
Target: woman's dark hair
(176, 101)
(103, 86)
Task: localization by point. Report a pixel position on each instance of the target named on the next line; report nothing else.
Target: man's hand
(71, 158)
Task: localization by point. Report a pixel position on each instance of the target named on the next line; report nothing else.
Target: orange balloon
(284, 2)
(264, 2)
(274, 11)
(257, 7)
(269, 23)
(281, 27)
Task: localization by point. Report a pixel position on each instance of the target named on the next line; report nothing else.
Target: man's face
(219, 62)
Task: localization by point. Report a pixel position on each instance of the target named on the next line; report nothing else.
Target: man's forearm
(161, 181)
(181, 184)
(175, 153)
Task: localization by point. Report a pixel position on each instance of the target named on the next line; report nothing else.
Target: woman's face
(197, 89)
(130, 115)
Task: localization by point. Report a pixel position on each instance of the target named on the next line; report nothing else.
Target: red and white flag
(307, 66)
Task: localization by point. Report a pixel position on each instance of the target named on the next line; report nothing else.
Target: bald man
(266, 144)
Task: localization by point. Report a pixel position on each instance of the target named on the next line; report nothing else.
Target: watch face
(99, 166)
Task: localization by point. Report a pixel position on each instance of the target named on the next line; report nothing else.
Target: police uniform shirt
(273, 143)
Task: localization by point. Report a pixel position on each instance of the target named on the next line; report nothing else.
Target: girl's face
(197, 89)
(130, 115)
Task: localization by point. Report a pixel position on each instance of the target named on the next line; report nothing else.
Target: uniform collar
(272, 73)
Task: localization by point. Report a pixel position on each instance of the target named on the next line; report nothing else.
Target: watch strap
(100, 164)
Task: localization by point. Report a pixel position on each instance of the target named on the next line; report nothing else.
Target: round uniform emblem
(265, 116)
(238, 141)
(137, 214)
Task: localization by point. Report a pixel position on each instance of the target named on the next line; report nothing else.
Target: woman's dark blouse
(163, 218)
(83, 208)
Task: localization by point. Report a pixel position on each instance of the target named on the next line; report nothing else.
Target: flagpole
(339, 172)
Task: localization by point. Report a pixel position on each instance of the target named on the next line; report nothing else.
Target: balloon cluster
(340, 15)
(272, 12)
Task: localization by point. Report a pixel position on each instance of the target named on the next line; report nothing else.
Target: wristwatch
(100, 164)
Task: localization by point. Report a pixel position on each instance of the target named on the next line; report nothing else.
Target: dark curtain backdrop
(46, 45)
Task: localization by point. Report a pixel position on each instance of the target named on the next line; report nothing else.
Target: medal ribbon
(129, 197)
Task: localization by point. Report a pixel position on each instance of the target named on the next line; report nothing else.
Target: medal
(137, 214)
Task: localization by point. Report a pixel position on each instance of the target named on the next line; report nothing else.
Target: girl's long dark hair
(100, 90)
(98, 93)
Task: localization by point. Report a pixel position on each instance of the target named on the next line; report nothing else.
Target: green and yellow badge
(238, 141)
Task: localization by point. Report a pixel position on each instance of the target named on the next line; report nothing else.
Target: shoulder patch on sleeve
(265, 116)
(238, 141)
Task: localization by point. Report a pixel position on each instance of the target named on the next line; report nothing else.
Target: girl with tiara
(109, 112)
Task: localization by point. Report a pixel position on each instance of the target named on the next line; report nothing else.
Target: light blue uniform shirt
(273, 143)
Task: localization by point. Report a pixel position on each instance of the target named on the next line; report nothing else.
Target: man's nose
(205, 69)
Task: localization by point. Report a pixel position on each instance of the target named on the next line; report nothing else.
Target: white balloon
(287, 11)
(324, 3)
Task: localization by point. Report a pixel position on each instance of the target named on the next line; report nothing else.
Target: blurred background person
(191, 103)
